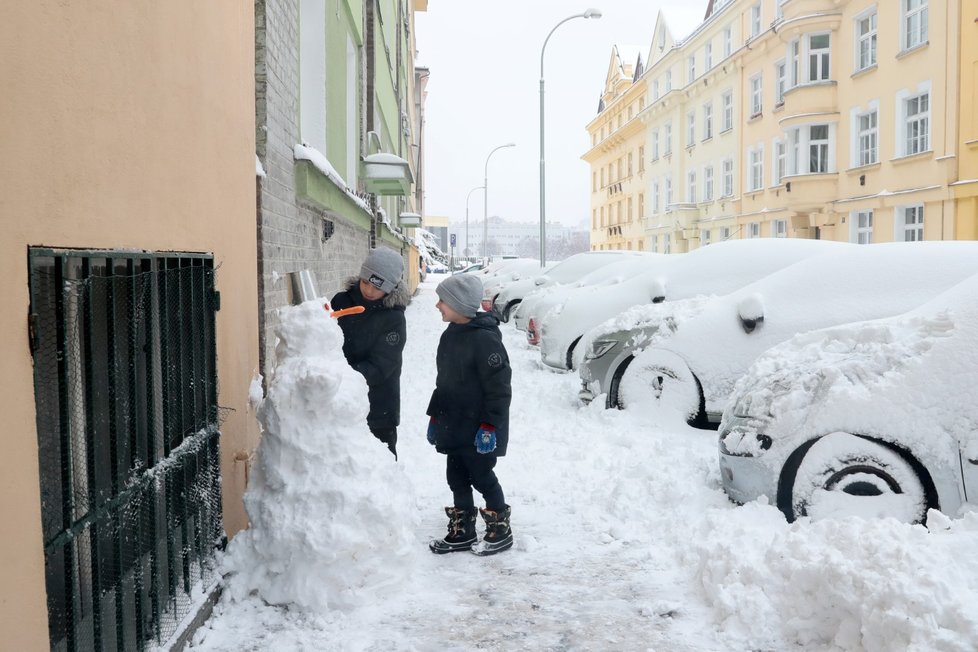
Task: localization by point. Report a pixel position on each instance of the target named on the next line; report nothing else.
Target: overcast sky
(484, 91)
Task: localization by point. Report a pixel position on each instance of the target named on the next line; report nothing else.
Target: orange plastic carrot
(354, 310)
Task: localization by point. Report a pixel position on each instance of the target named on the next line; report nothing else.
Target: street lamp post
(589, 13)
(485, 203)
(466, 252)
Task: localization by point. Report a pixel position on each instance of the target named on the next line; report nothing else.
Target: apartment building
(966, 188)
(617, 156)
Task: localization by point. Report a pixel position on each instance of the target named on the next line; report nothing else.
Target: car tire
(657, 383)
(842, 474)
(508, 310)
(572, 360)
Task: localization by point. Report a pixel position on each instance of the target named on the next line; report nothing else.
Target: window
(779, 9)
(667, 136)
(690, 128)
(727, 42)
(655, 144)
(655, 89)
(667, 191)
(691, 187)
(728, 184)
(756, 167)
(641, 205)
(654, 243)
(655, 197)
(602, 217)
(780, 161)
(818, 57)
(794, 63)
(917, 124)
(708, 56)
(910, 220)
(780, 81)
(818, 149)
(753, 229)
(728, 111)
(756, 104)
(704, 237)
(594, 219)
(724, 233)
(629, 168)
(866, 40)
(868, 135)
(666, 244)
(312, 77)
(630, 218)
(708, 121)
(668, 80)
(914, 23)
(861, 227)
(641, 159)
(779, 229)
(691, 69)
(755, 20)
(594, 181)
(708, 183)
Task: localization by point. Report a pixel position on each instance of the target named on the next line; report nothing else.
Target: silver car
(876, 418)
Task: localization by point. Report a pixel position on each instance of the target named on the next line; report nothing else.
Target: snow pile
(332, 518)
(647, 320)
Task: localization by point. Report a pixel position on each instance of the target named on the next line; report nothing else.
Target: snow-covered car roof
(563, 272)
(864, 282)
(909, 379)
(715, 269)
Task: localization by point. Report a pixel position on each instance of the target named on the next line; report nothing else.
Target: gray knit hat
(382, 269)
(462, 293)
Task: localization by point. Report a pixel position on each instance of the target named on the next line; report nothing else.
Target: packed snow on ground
(624, 539)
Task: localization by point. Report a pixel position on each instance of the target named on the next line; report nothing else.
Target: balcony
(807, 193)
(806, 100)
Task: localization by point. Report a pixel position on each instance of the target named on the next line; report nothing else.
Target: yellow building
(966, 189)
(617, 156)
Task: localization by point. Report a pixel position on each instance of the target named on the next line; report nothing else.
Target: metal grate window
(126, 394)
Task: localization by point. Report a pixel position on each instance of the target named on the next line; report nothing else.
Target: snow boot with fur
(461, 531)
(499, 536)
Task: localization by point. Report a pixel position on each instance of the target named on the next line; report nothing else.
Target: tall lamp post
(589, 13)
(466, 252)
(485, 203)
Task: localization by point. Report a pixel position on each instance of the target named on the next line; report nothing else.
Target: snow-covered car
(566, 271)
(717, 269)
(539, 303)
(436, 268)
(693, 371)
(876, 418)
(508, 272)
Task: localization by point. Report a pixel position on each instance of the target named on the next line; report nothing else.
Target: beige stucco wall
(123, 124)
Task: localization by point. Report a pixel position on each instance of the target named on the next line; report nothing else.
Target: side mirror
(751, 312)
(657, 290)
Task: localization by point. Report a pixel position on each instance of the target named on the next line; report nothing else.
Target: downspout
(369, 86)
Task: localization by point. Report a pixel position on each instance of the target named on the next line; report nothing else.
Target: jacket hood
(486, 320)
(399, 298)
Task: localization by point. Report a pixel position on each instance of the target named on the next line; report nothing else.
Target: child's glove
(485, 439)
(431, 431)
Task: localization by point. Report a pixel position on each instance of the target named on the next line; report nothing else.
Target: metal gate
(126, 394)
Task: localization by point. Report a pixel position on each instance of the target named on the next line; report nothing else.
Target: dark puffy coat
(473, 386)
(373, 342)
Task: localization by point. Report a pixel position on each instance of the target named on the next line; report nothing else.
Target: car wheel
(658, 383)
(573, 360)
(842, 475)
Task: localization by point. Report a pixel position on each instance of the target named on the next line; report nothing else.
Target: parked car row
(841, 377)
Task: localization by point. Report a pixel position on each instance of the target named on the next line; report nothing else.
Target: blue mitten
(431, 431)
(485, 439)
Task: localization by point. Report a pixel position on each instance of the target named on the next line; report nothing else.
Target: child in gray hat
(469, 417)
(373, 340)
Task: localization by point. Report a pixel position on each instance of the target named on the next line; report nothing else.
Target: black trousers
(472, 470)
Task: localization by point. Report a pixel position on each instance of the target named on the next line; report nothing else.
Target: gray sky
(484, 88)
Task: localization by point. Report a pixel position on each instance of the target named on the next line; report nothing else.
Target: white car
(715, 269)
(565, 271)
(876, 418)
(693, 371)
(539, 303)
(508, 272)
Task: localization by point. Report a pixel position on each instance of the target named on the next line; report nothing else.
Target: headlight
(599, 347)
(744, 442)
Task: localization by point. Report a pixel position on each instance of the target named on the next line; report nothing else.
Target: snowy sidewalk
(624, 541)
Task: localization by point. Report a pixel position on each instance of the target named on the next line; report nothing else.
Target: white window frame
(666, 244)
(913, 23)
(655, 197)
(655, 144)
(909, 222)
(708, 56)
(865, 46)
(818, 150)
(861, 227)
(708, 183)
(755, 167)
(755, 20)
(756, 84)
(916, 126)
(819, 59)
(668, 80)
(708, 121)
(667, 193)
(312, 75)
(780, 81)
(867, 133)
(654, 243)
(728, 179)
(724, 233)
(794, 62)
(667, 139)
(727, 100)
(779, 228)
(727, 41)
(752, 230)
(691, 68)
(691, 128)
(780, 161)
(655, 90)
(800, 149)
(704, 237)
(691, 187)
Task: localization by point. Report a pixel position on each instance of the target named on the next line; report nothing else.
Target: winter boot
(498, 535)
(461, 531)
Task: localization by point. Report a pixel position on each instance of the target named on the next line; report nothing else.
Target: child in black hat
(469, 412)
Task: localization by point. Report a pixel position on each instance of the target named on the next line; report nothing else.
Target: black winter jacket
(373, 342)
(472, 387)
